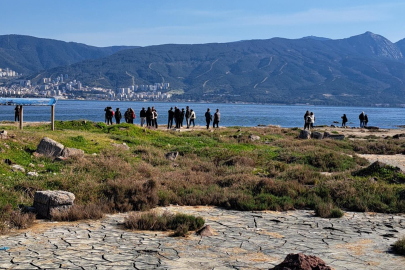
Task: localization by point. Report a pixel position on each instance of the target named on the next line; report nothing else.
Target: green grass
(399, 246)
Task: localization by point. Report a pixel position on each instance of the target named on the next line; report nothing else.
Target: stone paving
(243, 240)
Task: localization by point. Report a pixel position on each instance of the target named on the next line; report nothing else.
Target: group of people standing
(309, 120)
(148, 117)
(362, 117)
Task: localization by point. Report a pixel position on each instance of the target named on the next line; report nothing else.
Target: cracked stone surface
(242, 240)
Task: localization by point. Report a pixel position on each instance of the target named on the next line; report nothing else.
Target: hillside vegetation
(222, 168)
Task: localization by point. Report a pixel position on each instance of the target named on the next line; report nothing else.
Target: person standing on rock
(192, 117)
(208, 117)
(365, 120)
(217, 118)
(171, 116)
(344, 120)
(16, 113)
(118, 116)
(306, 120)
(142, 116)
(361, 118)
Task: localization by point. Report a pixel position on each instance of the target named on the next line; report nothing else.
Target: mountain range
(366, 69)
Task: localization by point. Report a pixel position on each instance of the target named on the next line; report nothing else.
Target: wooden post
(53, 117)
(21, 117)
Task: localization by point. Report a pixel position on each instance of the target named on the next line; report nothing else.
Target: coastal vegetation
(223, 168)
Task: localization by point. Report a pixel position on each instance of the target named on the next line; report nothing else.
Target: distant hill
(366, 69)
(26, 54)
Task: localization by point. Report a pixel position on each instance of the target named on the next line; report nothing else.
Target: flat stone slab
(392, 160)
(242, 240)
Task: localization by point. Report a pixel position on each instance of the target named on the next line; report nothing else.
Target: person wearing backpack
(118, 116)
(132, 115)
(192, 117)
(109, 113)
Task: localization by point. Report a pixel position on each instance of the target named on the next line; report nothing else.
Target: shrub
(80, 212)
(180, 223)
(399, 246)
(327, 210)
(20, 220)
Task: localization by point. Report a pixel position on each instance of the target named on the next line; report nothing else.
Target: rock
(3, 134)
(332, 126)
(33, 174)
(337, 136)
(48, 202)
(50, 148)
(305, 134)
(17, 168)
(72, 152)
(397, 136)
(41, 165)
(31, 165)
(171, 155)
(326, 134)
(206, 231)
(302, 262)
(122, 146)
(94, 154)
(254, 137)
(372, 128)
(317, 135)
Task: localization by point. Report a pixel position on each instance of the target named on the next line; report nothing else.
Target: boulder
(317, 135)
(302, 262)
(337, 136)
(372, 128)
(49, 202)
(326, 134)
(398, 136)
(122, 146)
(206, 231)
(49, 147)
(171, 155)
(254, 137)
(72, 152)
(305, 134)
(3, 134)
(33, 174)
(17, 168)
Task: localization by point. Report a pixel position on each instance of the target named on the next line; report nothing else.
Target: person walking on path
(118, 116)
(312, 119)
(217, 118)
(142, 116)
(208, 117)
(344, 120)
(192, 117)
(177, 116)
(16, 113)
(155, 117)
(365, 120)
(171, 116)
(361, 118)
(188, 114)
(307, 120)
(183, 113)
(149, 117)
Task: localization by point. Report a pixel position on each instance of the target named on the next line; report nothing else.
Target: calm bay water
(231, 114)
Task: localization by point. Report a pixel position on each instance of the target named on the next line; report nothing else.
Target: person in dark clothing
(208, 117)
(131, 116)
(149, 117)
(307, 121)
(16, 113)
(126, 116)
(188, 114)
(142, 115)
(109, 113)
(171, 116)
(361, 118)
(344, 120)
(217, 118)
(192, 118)
(365, 120)
(183, 113)
(177, 116)
(118, 116)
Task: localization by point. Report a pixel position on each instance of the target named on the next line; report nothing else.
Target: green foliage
(399, 246)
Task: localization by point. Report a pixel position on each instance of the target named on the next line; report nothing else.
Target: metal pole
(21, 117)
(53, 117)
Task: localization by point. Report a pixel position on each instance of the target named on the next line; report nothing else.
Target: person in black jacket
(16, 113)
(149, 117)
(109, 113)
(171, 116)
(307, 120)
(344, 120)
(361, 118)
(208, 117)
(142, 115)
(217, 118)
(118, 116)
(188, 115)
(177, 116)
(183, 113)
(365, 120)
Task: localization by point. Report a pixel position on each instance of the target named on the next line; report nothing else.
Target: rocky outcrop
(72, 152)
(305, 134)
(302, 262)
(206, 231)
(3, 134)
(254, 138)
(49, 202)
(50, 148)
(17, 168)
(317, 135)
(171, 156)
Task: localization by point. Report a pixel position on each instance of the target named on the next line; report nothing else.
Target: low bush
(399, 246)
(180, 223)
(327, 210)
(20, 220)
(80, 212)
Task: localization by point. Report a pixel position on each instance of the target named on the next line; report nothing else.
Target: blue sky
(152, 22)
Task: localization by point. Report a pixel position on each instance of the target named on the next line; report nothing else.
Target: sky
(154, 22)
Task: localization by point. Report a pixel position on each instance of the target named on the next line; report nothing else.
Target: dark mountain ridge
(366, 69)
(26, 54)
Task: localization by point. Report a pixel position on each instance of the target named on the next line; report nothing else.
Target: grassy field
(222, 168)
